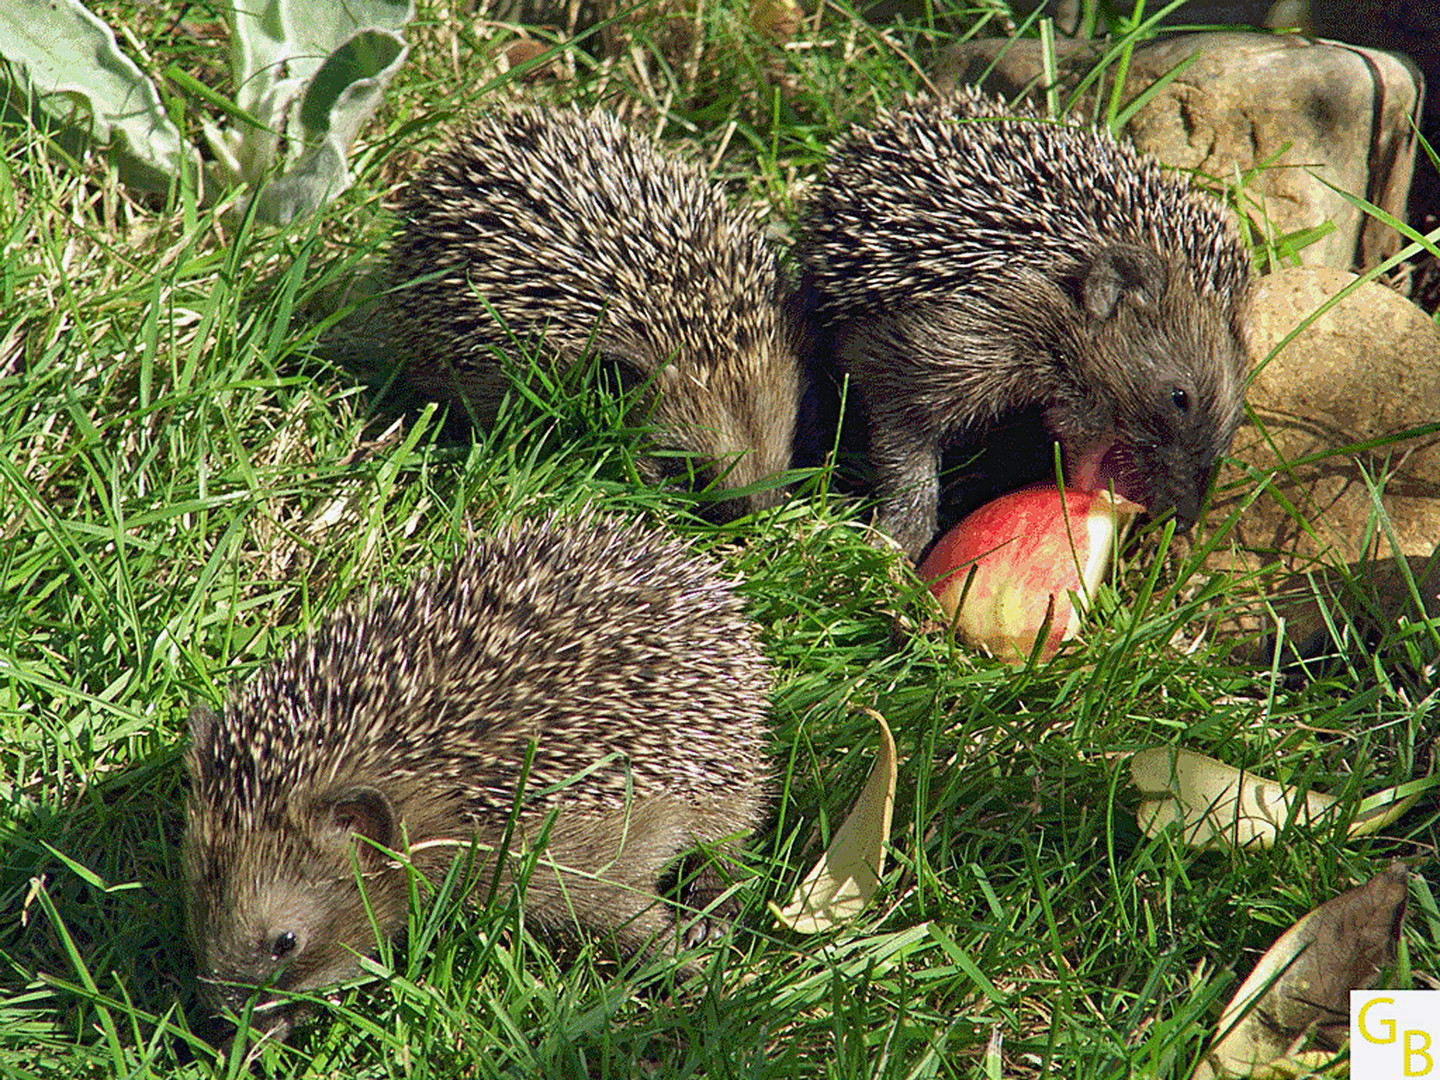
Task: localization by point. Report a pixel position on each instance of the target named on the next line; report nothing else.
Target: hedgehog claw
(703, 930)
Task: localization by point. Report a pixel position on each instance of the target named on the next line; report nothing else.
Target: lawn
(199, 457)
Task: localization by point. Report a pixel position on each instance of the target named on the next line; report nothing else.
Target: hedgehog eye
(1180, 399)
(284, 945)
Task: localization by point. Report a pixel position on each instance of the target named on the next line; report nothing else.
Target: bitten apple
(998, 573)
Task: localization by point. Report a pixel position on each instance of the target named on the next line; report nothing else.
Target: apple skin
(1020, 554)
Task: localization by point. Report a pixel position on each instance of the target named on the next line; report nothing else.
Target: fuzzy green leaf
(78, 75)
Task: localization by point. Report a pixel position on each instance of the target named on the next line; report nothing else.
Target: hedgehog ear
(366, 812)
(1123, 271)
(203, 722)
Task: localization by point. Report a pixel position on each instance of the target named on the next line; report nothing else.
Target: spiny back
(572, 225)
(611, 646)
(940, 197)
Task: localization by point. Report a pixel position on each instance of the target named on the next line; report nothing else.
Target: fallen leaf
(1299, 992)
(845, 878)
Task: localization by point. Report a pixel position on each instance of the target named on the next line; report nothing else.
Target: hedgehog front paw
(703, 929)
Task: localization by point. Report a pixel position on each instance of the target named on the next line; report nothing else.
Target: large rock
(1334, 408)
(1347, 412)
(1409, 28)
(1306, 114)
(1361, 603)
(1066, 13)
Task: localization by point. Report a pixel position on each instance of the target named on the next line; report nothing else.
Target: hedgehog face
(735, 428)
(272, 934)
(278, 906)
(1163, 385)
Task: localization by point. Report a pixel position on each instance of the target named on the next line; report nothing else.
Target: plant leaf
(74, 65)
(1300, 989)
(342, 96)
(309, 76)
(278, 47)
(1378, 810)
(316, 176)
(258, 51)
(845, 878)
(346, 88)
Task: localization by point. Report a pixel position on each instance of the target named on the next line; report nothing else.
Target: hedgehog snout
(1164, 478)
(235, 964)
(1189, 483)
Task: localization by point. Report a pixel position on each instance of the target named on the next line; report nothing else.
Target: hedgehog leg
(688, 909)
(907, 484)
(703, 912)
(606, 875)
(649, 928)
(682, 906)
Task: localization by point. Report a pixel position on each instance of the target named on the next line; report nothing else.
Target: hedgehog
(569, 232)
(594, 682)
(993, 284)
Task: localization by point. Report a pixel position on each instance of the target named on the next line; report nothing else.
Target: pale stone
(1307, 114)
(1361, 372)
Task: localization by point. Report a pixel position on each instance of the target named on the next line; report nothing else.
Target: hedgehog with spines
(569, 232)
(404, 722)
(990, 279)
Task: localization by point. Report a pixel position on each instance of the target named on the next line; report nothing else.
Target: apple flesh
(1029, 555)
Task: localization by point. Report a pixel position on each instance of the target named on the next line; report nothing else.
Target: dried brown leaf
(1300, 989)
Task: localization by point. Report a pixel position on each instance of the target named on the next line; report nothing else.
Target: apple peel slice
(1031, 558)
(845, 878)
(1219, 806)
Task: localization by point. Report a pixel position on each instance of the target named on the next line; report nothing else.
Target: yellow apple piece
(1219, 806)
(840, 885)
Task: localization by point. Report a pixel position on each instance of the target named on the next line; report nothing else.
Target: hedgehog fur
(569, 231)
(990, 278)
(405, 720)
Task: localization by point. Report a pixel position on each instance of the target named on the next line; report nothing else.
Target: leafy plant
(307, 75)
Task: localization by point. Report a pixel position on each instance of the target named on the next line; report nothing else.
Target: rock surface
(1305, 113)
(1329, 406)
(1364, 372)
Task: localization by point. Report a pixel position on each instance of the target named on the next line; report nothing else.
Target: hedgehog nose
(1189, 499)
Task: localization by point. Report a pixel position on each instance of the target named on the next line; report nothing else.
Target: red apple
(998, 573)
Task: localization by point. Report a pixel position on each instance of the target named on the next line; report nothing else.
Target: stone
(1188, 13)
(1362, 602)
(1410, 28)
(1329, 406)
(1306, 114)
(1334, 406)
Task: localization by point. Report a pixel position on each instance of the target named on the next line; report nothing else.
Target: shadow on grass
(92, 925)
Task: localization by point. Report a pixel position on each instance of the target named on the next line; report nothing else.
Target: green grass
(189, 479)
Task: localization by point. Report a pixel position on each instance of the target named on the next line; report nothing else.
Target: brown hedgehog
(404, 720)
(571, 231)
(990, 280)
